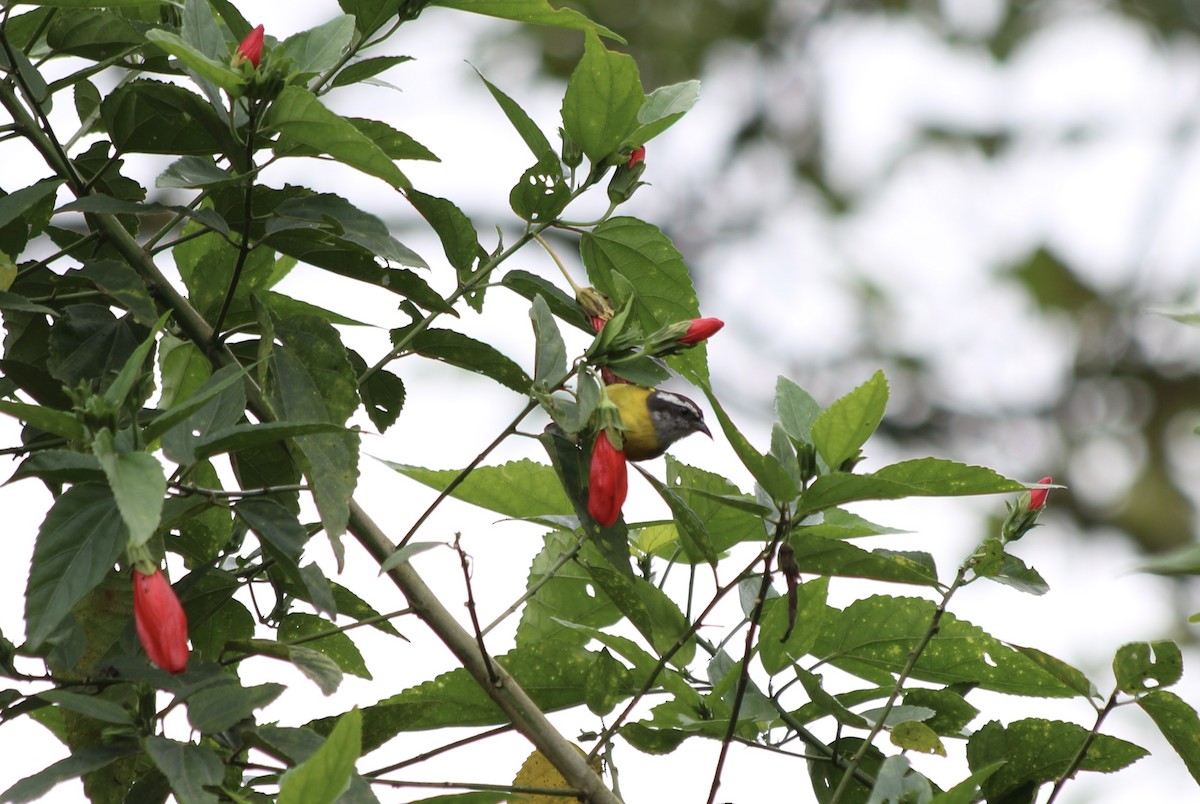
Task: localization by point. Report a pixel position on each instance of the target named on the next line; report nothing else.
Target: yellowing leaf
(537, 771)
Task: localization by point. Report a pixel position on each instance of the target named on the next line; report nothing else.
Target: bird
(653, 420)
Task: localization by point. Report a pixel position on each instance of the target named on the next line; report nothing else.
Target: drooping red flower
(251, 47)
(637, 155)
(608, 481)
(161, 622)
(1037, 497)
(701, 329)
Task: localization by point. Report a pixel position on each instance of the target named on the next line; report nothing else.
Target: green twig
(913, 655)
(1077, 761)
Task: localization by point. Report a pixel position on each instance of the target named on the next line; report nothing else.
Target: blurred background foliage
(1039, 351)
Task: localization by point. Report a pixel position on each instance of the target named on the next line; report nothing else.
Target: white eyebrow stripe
(681, 401)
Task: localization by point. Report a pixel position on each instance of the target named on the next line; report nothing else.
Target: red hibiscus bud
(636, 156)
(161, 623)
(608, 481)
(250, 49)
(701, 329)
(1037, 497)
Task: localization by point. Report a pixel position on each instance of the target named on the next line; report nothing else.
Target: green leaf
(518, 489)
(383, 396)
(92, 706)
(842, 428)
(16, 204)
(48, 419)
(564, 307)
(765, 469)
(828, 704)
(78, 543)
(89, 344)
(655, 615)
(1036, 751)
(220, 706)
(777, 655)
(138, 486)
(310, 380)
(638, 252)
(118, 391)
(317, 667)
(717, 503)
(835, 557)
(193, 172)
(604, 95)
(215, 618)
(562, 592)
(912, 735)
(923, 477)
(369, 15)
(81, 762)
(367, 68)
(878, 632)
(404, 554)
(1179, 724)
(530, 133)
(215, 404)
(133, 116)
(300, 627)
(1073, 678)
(319, 49)
(1143, 666)
(324, 776)
(456, 349)
(219, 73)
(92, 34)
(951, 711)
(460, 241)
(1014, 572)
(663, 107)
(346, 221)
(826, 776)
(550, 365)
(123, 285)
(554, 674)
(535, 12)
(966, 791)
(607, 684)
(297, 115)
(189, 768)
(540, 194)
(689, 526)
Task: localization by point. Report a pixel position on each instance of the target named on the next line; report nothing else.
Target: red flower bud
(608, 481)
(161, 623)
(637, 155)
(701, 329)
(251, 48)
(1037, 497)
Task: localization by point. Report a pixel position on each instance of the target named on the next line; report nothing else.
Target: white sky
(935, 227)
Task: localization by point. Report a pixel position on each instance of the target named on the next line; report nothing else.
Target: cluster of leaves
(253, 414)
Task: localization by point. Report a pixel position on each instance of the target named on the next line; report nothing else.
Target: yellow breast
(641, 442)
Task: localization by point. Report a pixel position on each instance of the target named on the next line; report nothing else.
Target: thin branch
(461, 476)
(1077, 761)
(474, 738)
(913, 655)
(781, 531)
(466, 569)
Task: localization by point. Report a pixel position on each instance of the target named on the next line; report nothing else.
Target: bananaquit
(653, 419)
